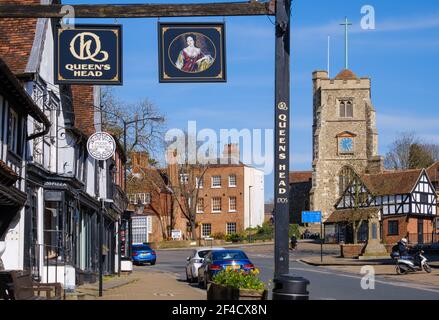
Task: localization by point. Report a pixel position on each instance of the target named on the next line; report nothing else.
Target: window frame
(13, 140)
(343, 105)
(389, 231)
(199, 182)
(203, 233)
(198, 205)
(220, 205)
(236, 181)
(213, 180)
(230, 202)
(228, 224)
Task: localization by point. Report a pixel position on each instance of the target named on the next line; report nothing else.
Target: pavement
(142, 285)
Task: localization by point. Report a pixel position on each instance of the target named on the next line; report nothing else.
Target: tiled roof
(390, 183)
(300, 176)
(433, 171)
(352, 215)
(17, 38)
(147, 179)
(346, 75)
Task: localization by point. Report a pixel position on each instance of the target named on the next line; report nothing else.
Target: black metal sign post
(287, 287)
(281, 136)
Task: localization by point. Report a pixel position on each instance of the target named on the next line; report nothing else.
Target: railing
(426, 238)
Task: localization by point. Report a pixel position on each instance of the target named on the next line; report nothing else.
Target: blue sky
(400, 56)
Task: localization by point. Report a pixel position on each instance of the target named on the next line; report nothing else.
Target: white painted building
(55, 236)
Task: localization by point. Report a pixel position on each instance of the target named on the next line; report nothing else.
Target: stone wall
(328, 161)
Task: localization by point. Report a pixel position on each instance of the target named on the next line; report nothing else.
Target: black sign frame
(169, 73)
(117, 80)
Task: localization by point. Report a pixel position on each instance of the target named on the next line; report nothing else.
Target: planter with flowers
(237, 285)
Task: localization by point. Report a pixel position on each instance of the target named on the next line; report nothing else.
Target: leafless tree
(146, 180)
(186, 180)
(143, 135)
(400, 155)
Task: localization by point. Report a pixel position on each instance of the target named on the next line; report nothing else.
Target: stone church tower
(345, 138)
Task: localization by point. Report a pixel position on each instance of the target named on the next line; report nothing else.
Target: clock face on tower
(346, 145)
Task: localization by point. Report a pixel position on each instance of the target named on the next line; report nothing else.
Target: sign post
(315, 217)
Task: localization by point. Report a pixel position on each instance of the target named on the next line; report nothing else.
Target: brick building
(149, 186)
(230, 197)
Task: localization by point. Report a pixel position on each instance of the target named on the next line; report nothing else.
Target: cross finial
(346, 24)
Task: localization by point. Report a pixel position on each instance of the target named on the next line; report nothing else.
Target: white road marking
(409, 285)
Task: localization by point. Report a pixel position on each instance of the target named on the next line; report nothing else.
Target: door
(420, 231)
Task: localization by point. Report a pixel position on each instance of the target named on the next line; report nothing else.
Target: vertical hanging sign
(88, 54)
(281, 136)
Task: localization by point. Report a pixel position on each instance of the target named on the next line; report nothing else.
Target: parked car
(218, 260)
(194, 261)
(142, 253)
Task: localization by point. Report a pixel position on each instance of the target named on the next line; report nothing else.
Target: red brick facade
(407, 227)
(218, 221)
(84, 108)
(148, 180)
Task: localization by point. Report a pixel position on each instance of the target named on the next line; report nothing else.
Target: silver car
(195, 260)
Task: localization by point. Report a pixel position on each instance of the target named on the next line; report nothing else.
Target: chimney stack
(231, 153)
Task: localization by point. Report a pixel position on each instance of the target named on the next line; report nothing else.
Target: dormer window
(346, 109)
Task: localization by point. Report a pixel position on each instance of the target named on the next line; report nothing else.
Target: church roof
(391, 183)
(346, 74)
(300, 176)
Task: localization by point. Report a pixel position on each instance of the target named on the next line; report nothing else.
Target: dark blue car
(218, 260)
(142, 253)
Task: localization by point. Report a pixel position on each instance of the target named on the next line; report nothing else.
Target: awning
(350, 215)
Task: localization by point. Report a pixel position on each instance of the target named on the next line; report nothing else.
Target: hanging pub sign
(192, 52)
(89, 54)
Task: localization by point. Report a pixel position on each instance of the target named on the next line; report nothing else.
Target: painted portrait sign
(192, 52)
(89, 54)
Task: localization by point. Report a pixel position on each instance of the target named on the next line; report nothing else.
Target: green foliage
(239, 279)
(419, 157)
(219, 236)
(235, 237)
(266, 228)
(294, 230)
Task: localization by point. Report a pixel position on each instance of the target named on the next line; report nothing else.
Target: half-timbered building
(16, 106)
(405, 202)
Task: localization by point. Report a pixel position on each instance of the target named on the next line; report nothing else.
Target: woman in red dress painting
(191, 59)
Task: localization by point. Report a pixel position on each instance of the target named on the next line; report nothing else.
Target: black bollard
(289, 287)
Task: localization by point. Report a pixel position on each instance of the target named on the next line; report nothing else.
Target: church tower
(345, 138)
